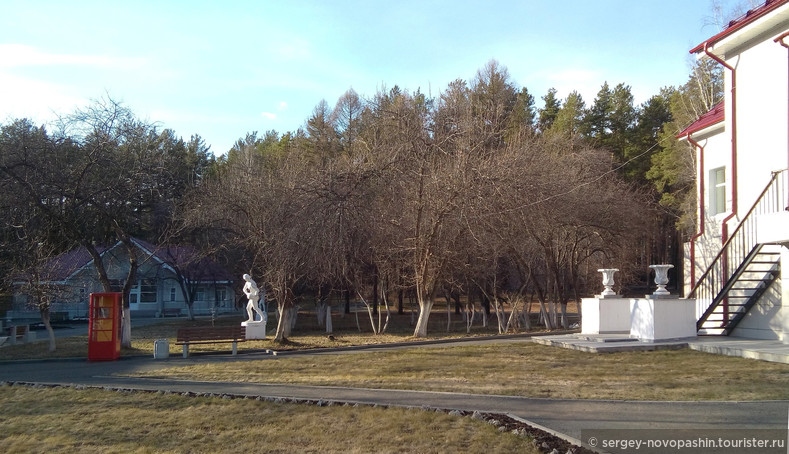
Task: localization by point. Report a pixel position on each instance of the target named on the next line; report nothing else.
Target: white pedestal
(255, 330)
(654, 319)
(608, 315)
(161, 349)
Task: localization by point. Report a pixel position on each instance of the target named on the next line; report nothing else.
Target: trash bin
(161, 349)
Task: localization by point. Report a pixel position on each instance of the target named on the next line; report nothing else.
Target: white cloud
(282, 106)
(35, 99)
(268, 115)
(19, 55)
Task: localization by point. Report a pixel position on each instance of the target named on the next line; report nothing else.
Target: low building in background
(169, 280)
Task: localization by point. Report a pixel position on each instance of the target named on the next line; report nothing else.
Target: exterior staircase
(742, 291)
(743, 270)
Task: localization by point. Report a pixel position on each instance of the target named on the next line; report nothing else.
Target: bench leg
(186, 350)
(235, 348)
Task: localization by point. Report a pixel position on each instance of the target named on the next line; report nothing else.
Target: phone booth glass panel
(104, 326)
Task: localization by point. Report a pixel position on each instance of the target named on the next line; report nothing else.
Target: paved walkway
(765, 350)
(568, 417)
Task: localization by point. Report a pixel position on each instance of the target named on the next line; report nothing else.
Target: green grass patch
(65, 420)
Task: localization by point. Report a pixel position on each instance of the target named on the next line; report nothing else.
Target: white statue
(252, 292)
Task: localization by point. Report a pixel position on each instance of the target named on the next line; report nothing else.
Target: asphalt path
(568, 417)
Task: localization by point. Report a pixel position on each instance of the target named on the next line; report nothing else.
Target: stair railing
(709, 289)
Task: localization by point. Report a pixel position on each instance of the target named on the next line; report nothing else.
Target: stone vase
(661, 279)
(608, 281)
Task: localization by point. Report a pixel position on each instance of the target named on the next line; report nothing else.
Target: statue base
(255, 330)
(609, 315)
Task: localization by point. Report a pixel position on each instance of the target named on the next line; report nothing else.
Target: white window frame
(718, 188)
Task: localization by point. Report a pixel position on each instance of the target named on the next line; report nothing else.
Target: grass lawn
(522, 369)
(519, 369)
(65, 420)
(307, 335)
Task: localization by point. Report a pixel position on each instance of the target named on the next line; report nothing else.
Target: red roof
(741, 22)
(63, 266)
(716, 115)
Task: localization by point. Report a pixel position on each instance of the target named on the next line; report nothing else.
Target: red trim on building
(716, 115)
(741, 22)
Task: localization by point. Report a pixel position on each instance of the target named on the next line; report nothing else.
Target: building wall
(762, 99)
(717, 154)
(762, 120)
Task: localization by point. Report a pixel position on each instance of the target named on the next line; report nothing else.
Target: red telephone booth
(104, 327)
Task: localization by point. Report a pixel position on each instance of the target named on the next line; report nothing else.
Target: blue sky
(222, 69)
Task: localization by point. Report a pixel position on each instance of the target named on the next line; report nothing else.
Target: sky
(221, 69)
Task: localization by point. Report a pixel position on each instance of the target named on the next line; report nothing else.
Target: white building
(736, 263)
(168, 279)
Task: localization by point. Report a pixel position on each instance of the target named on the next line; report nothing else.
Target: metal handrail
(742, 241)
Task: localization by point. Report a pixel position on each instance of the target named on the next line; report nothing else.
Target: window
(718, 190)
(172, 293)
(148, 290)
(116, 285)
(200, 294)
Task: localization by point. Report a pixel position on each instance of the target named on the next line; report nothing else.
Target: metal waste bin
(161, 349)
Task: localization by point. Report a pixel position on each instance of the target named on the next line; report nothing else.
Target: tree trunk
(131, 278)
(388, 314)
(565, 325)
(425, 306)
(126, 327)
(284, 322)
(375, 296)
(329, 328)
(499, 314)
(294, 314)
(469, 316)
(321, 314)
(50, 332)
(544, 315)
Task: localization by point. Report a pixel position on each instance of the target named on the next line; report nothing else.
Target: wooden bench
(171, 312)
(212, 335)
(19, 333)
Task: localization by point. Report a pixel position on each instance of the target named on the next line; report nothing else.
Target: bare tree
(34, 279)
(346, 118)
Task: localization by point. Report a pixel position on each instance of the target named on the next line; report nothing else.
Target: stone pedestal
(161, 349)
(255, 330)
(655, 319)
(605, 315)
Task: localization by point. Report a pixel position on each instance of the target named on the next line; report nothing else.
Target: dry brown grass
(520, 369)
(307, 335)
(512, 369)
(61, 420)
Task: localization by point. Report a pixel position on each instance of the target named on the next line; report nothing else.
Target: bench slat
(214, 333)
(210, 335)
